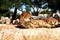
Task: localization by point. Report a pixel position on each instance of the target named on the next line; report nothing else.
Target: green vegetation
(45, 12)
(5, 5)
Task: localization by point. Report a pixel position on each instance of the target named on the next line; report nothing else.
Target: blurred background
(14, 8)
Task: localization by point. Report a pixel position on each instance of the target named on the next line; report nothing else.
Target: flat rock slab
(30, 34)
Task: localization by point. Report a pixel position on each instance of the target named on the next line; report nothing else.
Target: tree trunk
(36, 13)
(33, 11)
(14, 15)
